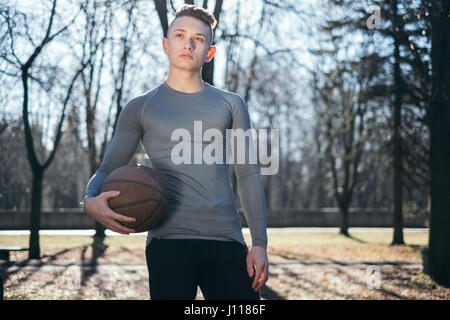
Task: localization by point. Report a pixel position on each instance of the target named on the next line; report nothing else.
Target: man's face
(188, 43)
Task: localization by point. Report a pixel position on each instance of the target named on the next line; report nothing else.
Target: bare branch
(10, 28)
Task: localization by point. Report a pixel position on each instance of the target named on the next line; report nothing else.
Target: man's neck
(190, 83)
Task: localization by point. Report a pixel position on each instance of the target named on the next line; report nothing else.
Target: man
(200, 242)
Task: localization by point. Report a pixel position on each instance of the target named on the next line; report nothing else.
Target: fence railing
(75, 218)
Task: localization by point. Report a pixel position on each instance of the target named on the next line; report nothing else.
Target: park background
(348, 84)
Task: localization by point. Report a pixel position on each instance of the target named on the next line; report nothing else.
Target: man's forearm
(95, 183)
(251, 194)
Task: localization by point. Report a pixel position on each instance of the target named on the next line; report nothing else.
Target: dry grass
(305, 264)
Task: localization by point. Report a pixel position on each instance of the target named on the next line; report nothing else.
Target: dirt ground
(298, 270)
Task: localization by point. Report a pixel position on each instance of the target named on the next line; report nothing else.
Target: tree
(397, 130)
(37, 167)
(402, 41)
(348, 121)
(439, 116)
(93, 53)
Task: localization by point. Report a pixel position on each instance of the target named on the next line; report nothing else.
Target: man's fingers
(110, 194)
(258, 272)
(264, 277)
(115, 224)
(121, 217)
(259, 283)
(250, 267)
(117, 227)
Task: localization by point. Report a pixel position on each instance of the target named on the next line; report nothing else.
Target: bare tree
(93, 55)
(37, 167)
(346, 118)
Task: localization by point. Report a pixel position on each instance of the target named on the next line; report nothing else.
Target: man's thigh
(172, 272)
(224, 272)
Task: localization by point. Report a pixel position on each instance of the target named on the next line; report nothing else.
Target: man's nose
(188, 44)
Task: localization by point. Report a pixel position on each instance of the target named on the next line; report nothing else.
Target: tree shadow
(98, 250)
(393, 285)
(352, 237)
(35, 263)
(269, 294)
(88, 265)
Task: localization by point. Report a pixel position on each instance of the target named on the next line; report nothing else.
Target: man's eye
(198, 38)
(178, 35)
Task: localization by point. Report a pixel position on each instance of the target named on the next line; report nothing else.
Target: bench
(4, 251)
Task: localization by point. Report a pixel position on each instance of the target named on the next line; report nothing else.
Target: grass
(415, 238)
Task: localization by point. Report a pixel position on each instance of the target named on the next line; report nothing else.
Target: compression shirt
(201, 199)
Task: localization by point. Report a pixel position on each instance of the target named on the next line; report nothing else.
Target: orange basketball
(143, 195)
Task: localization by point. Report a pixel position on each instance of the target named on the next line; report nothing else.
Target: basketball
(143, 195)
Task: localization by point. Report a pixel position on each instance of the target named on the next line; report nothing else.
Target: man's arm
(251, 194)
(119, 153)
(249, 183)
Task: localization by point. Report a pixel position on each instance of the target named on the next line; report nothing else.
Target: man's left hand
(258, 266)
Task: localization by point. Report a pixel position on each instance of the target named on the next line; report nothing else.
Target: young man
(200, 242)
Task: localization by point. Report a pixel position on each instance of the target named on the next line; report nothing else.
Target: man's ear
(165, 45)
(210, 54)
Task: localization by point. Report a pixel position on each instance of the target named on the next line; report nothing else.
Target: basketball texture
(143, 195)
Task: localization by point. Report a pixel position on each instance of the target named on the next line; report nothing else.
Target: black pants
(177, 266)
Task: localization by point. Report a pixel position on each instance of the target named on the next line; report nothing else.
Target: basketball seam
(123, 206)
(139, 183)
(154, 174)
(149, 216)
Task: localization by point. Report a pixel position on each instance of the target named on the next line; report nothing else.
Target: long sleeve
(122, 146)
(249, 183)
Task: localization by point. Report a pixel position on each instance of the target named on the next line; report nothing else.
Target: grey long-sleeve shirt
(202, 203)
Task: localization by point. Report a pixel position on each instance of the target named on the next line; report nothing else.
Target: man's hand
(258, 266)
(98, 208)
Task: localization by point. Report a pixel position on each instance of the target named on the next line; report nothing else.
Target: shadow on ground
(96, 271)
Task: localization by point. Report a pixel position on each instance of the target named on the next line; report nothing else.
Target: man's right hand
(98, 208)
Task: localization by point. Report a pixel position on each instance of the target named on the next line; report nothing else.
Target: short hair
(192, 10)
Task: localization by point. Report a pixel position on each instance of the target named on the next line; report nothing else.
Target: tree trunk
(344, 221)
(397, 139)
(439, 115)
(37, 171)
(92, 151)
(35, 220)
